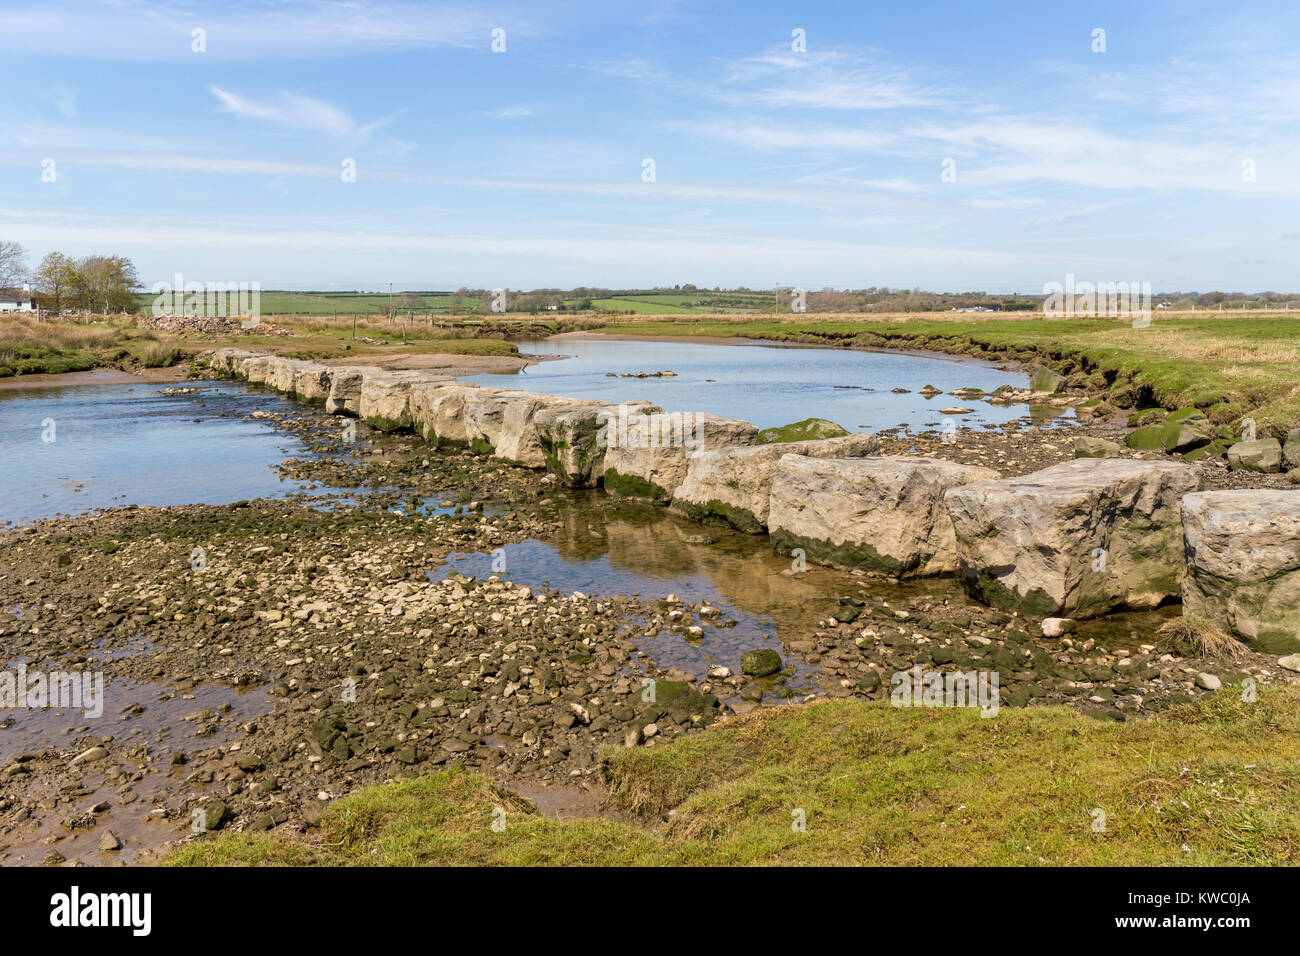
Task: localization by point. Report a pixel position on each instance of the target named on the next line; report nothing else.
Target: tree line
(96, 283)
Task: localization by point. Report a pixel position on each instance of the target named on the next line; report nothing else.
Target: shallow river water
(767, 385)
(75, 449)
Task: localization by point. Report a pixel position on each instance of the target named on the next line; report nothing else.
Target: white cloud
(133, 30)
(832, 80)
(295, 111)
(510, 112)
(291, 111)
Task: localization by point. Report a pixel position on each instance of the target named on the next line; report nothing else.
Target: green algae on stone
(810, 429)
(717, 512)
(1148, 438)
(760, 662)
(846, 556)
(631, 486)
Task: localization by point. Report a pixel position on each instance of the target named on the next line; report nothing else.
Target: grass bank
(1216, 782)
(1230, 365)
(28, 347)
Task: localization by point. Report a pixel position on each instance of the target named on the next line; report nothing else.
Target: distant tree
(56, 279)
(107, 283)
(13, 264)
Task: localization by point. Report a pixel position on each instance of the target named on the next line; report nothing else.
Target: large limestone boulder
(573, 438)
(1243, 565)
(649, 460)
(311, 383)
(734, 485)
(281, 373)
(485, 413)
(255, 369)
(882, 514)
(438, 411)
(1078, 539)
(228, 361)
(386, 397)
(519, 440)
(344, 396)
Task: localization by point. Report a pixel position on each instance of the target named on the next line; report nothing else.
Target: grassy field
(1216, 782)
(1228, 364)
(696, 303)
(29, 347)
(275, 303)
(284, 303)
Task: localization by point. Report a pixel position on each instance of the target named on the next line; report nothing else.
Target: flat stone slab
(882, 514)
(438, 411)
(1078, 539)
(311, 383)
(1243, 565)
(281, 373)
(519, 441)
(255, 369)
(386, 396)
(573, 438)
(229, 361)
(649, 458)
(344, 396)
(734, 485)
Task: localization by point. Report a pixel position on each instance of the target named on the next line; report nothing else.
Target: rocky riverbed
(263, 658)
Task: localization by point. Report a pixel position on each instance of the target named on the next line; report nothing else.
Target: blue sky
(525, 168)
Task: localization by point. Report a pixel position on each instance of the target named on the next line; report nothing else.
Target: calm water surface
(75, 449)
(764, 384)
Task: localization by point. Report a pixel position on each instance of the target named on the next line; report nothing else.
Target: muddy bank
(443, 363)
(98, 376)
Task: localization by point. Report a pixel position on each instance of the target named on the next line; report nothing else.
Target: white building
(16, 300)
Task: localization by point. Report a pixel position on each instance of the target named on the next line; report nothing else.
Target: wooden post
(354, 326)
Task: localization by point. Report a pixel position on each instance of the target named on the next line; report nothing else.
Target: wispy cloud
(830, 80)
(134, 30)
(64, 100)
(295, 111)
(510, 112)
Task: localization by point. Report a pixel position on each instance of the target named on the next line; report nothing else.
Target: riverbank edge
(846, 782)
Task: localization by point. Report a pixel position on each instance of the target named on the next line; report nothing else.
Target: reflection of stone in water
(1047, 413)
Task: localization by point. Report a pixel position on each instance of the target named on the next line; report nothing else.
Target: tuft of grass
(1196, 637)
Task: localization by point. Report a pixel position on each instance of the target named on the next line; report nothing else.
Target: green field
(374, 303)
(702, 303)
(350, 303)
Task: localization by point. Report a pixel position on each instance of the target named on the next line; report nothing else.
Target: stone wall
(1083, 538)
